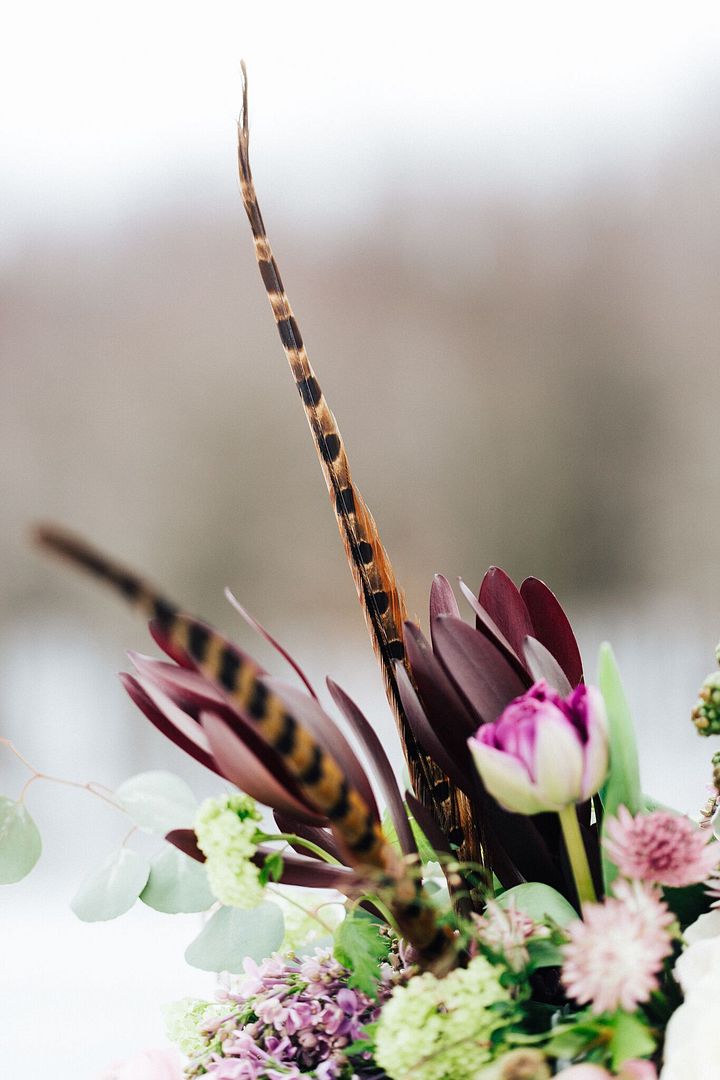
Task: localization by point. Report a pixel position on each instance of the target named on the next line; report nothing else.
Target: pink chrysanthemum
(660, 848)
(616, 951)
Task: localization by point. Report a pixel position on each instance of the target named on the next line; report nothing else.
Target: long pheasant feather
(380, 597)
(320, 778)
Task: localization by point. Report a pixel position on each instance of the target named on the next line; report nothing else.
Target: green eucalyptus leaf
(540, 902)
(20, 843)
(233, 934)
(361, 948)
(177, 883)
(113, 889)
(158, 802)
(622, 787)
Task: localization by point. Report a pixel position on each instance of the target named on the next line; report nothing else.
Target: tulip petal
(501, 598)
(506, 779)
(597, 747)
(559, 761)
(552, 627)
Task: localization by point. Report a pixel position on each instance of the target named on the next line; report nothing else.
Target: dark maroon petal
(383, 769)
(492, 632)
(485, 679)
(186, 841)
(425, 820)
(552, 627)
(456, 763)
(310, 714)
(442, 600)
(171, 720)
(190, 690)
(324, 838)
(163, 642)
(252, 621)
(502, 600)
(543, 665)
(257, 778)
(309, 873)
(441, 702)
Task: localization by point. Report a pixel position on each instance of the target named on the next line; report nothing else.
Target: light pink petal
(558, 761)
(506, 779)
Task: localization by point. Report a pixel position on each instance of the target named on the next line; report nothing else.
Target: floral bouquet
(522, 910)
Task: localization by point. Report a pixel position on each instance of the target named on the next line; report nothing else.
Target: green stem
(292, 838)
(577, 854)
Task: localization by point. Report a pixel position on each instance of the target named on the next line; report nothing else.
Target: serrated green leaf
(540, 902)
(20, 843)
(158, 802)
(360, 947)
(630, 1039)
(176, 884)
(233, 934)
(113, 889)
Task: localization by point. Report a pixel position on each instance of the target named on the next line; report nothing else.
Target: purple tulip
(545, 751)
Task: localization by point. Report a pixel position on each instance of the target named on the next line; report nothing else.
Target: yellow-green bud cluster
(441, 1029)
(226, 829)
(706, 712)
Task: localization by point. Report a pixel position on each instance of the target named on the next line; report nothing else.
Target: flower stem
(576, 853)
(292, 838)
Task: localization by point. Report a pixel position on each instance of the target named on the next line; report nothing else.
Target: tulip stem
(577, 854)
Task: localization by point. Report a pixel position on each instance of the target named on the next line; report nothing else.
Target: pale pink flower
(616, 951)
(630, 1070)
(661, 848)
(150, 1065)
(507, 931)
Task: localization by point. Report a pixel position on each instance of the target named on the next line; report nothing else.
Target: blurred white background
(500, 228)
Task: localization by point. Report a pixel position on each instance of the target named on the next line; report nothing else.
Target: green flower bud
(706, 711)
(226, 829)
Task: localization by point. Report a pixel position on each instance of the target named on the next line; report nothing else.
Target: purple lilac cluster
(292, 1017)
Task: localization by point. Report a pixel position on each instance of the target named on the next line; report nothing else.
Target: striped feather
(320, 778)
(380, 597)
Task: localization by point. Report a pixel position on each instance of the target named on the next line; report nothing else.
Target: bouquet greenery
(521, 910)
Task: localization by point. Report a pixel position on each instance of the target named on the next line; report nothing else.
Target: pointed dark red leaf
(247, 770)
(260, 629)
(478, 670)
(441, 702)
(170, 720)
(325, 731)
(383, 769)
(288, 823)
(493, 633)
(552, 627)
(543, 665)
(452, 755)
(442, 600)
(185, 840)
(502, 600)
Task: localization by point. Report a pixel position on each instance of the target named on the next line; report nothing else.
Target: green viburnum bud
(183, 1020)
(441, 1029)
(706, 712)
(226, 829)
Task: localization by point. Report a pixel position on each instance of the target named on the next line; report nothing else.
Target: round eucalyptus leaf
(232, 934)
(158, 801)
(20, 843)
(177, 883)
(113, 889)
(539, 901)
